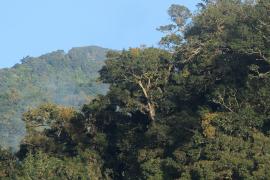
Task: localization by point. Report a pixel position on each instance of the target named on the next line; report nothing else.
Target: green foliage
(57, 146)
(179, 17)
(43, 166)
(7, 164)
(52, 129)
(229, 157)
(209, 98)
(140, 75)
(200, 111)
(62, 78)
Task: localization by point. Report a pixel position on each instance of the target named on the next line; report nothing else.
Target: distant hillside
(57, 77)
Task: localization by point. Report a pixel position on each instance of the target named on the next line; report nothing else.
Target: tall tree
(141, 75)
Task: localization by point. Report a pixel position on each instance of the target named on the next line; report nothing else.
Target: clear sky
(35, 27)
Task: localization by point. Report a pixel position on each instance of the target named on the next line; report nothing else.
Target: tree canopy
(62, 78)
(198, 108)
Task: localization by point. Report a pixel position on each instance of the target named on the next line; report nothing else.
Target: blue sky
(35, 27)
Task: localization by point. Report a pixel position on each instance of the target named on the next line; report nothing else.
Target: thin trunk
(151, 107)
(152, 111)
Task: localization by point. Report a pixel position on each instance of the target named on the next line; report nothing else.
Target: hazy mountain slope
(57, 77)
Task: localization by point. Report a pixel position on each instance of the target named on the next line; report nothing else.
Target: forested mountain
(58, 77)
(198, 108)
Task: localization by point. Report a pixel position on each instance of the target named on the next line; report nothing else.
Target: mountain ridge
(64, 78)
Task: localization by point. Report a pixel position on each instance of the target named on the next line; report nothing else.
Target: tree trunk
(151, 107)
(152, 111)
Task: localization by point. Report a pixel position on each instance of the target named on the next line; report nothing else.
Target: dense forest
(195, 108)
(58, 77)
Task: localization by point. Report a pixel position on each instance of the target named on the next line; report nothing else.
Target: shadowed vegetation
(196, 109)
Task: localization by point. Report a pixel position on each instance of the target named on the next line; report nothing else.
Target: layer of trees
(58, 77)
(195, 109)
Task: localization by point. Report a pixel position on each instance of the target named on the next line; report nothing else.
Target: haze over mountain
(68, 79)
(196, 108)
